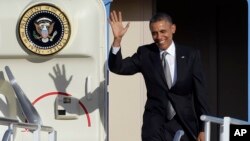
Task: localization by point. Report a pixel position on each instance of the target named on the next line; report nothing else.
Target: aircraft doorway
(219, 30)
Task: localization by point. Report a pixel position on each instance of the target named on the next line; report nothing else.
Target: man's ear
(173, 28)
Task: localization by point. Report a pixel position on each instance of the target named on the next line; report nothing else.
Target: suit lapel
(180, 65)
(159, 73)
(180, 60)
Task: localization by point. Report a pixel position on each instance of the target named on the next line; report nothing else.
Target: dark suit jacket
(188, 95)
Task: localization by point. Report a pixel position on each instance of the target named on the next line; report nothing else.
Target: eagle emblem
(44, 27)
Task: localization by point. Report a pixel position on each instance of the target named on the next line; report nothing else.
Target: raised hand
(117, 27)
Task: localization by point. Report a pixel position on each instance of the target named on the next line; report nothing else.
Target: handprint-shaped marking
(60, 80)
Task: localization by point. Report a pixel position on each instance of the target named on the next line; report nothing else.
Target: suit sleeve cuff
(115, 50)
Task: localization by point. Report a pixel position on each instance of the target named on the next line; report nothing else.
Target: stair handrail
(36, 128)
(224, 125)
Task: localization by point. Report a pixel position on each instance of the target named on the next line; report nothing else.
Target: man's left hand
(201, 136)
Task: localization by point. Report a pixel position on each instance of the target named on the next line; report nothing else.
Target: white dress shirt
(171, 58)
(115, 50)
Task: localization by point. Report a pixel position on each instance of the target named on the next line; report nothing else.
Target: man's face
(162, 33)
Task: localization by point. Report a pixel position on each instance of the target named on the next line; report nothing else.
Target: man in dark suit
(169, 107)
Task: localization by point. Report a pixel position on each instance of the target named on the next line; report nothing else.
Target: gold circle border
(44, 7)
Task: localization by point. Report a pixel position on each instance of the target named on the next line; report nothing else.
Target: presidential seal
(44, 29)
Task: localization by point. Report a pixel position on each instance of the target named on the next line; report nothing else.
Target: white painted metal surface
(224, 126)
(65, 74)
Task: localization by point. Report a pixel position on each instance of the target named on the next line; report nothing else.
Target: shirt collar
(170, 49)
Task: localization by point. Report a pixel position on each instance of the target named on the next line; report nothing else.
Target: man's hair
(161, 16)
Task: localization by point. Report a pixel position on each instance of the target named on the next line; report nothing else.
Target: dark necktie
(170, 110)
